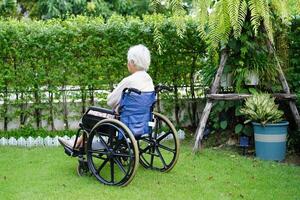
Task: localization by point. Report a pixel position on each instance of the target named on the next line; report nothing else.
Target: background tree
(8, 7)
(46, 9)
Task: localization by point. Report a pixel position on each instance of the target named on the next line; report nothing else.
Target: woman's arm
(113, 99)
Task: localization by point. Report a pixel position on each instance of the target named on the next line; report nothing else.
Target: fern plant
(219, 19)
(261, 108)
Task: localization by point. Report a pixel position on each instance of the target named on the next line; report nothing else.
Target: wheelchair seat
(136, 111)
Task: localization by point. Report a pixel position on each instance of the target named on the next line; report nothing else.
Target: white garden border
(48, 141)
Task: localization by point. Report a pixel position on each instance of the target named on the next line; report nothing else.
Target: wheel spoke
(163, 136)
(121, 154)
(161, 157)
(144, 150)
(167, 148)
(119, 164)
(110, 141)
(146, 140)
(156, 128)
(112, 170)
(102, 165)
(98, 156)
(145, 160)
(103, 142)
(152, 156)
(99, 151)
(119, 142)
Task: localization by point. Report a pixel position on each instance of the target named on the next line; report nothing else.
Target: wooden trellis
(215, 96)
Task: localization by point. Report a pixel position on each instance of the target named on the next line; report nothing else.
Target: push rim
(112, 154)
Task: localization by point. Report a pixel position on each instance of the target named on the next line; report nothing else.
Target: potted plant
(269, 128)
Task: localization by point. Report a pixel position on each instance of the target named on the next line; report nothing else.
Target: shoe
(66, 143)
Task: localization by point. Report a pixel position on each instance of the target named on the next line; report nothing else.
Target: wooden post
(286, 89)
(201, 125)
(216, 84)
(233, 96)
(209, 103)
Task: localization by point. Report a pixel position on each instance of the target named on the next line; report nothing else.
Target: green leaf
(253, 91)
(247, 130)
(238, 128)
(216, 126)
(223, 124)
(237, 111)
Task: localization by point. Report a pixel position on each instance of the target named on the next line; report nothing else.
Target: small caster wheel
(82, 168)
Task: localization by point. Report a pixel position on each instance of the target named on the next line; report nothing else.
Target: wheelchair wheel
(160, 149)
(112, 153)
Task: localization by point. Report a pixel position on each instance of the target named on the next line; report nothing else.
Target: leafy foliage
(294, 55)
(47, 9)
(8, 7)
(228, 16)
(40, 58)
(261, 108)
(294, 7)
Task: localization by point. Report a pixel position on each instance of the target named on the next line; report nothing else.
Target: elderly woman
(138, 62)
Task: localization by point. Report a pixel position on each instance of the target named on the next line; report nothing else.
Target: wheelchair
(114, 144)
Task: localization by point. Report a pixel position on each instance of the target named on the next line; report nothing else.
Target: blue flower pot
(270, 140)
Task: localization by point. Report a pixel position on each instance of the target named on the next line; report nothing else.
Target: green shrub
(30, 131)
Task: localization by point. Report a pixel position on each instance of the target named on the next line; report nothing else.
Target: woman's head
(138, 57)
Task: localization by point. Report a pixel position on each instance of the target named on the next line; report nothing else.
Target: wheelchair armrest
(102, 110)
(132, 90)
(93, 115)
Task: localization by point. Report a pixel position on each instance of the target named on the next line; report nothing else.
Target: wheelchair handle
(132, 90)
(161, 87)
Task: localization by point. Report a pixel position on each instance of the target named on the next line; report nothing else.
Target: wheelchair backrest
(136, 111)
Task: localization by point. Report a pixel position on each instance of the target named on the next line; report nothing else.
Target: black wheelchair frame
(112, 153)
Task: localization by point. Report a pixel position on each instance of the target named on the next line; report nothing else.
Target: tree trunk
(176, 103)
(23, 106)
(83, 100)
(65, 108)
(51, 112)
(5, 108)
(91, 94)
(37, 110)
(193, 96)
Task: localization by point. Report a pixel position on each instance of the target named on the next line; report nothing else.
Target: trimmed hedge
(29, 131)
(38, 56)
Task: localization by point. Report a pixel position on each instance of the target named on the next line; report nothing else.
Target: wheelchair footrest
(72, 152)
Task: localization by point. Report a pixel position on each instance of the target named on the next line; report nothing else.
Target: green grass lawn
(47, 173)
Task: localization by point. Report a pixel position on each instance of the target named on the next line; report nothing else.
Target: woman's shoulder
(138, 74)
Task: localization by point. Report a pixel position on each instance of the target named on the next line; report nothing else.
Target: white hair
(139, 55)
